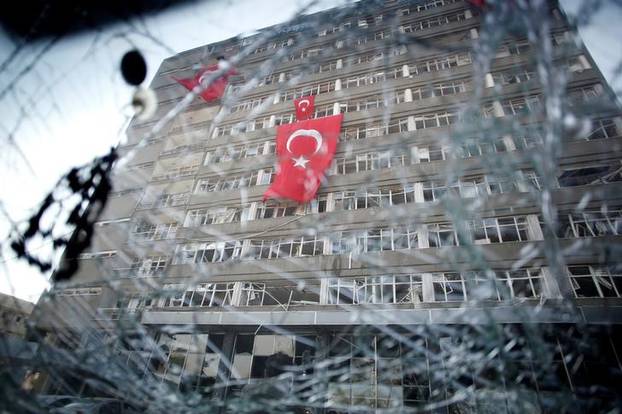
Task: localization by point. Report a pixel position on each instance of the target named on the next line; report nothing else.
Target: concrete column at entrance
(321, 385)
(225, 362)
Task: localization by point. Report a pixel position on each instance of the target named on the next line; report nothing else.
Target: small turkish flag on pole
(304, 150)
(214, 90)
(305, 107)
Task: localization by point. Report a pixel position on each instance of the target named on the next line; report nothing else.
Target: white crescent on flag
(306, 133)
(306, 102)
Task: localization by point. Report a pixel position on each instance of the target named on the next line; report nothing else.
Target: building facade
(459, 198)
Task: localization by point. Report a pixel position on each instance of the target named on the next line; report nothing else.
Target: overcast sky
(76, 100)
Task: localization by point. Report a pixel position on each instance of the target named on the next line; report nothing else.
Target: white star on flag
(300, 162)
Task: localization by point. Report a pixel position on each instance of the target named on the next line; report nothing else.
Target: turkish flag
(305, 107)
(215, 89)
(304, 150)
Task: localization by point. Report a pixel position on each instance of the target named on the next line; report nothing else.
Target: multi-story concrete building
(14, 313)
(434, 220)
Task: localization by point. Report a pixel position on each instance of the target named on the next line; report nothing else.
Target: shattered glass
(461, 256)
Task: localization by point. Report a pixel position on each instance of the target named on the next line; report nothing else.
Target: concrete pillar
(585, 64)
(272, 121)
(489, 81)
(330, 202)
(408, 95)
(336, 108)
(246, 244)
(550, 287)
(474, 33)
(618, 123)
(414, 155)
(277, 97)
(339, 64)
(534, 230)
(422, 236)
(324, 291)
(405, 71)
(508, 141)
(224, 364)
(418, 189)
(411, 123)
(290, 41)
(320, 386)
(327, 246)
(522, 186)
(468, 14)
(428, 287)
(281, 77)
(339, 44)
(252, 211)
(497, 109)
(338, 84)
(236, 297)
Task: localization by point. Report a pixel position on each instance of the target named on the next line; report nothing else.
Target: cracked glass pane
(372, 206)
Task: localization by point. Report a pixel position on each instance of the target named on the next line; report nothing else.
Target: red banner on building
(305, 150)
(215, 89)
(305, 107)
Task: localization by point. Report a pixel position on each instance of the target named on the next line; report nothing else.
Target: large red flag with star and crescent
(305, 150)
(215, 89)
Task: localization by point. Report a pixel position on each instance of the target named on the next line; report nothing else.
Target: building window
(204, 217)
(440, 63)
(595, 282)
(449, 287)
(521, 105)
(514, 76)
(589, 223)
(149, 266)
(499, 230)
(435, 120)
(590, 175)
(92, 291)
(147, 231)
(98, 255)
(208, 252)
(394, 289)
(602, 129)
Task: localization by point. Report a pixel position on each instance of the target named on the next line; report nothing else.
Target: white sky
(75, 98)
